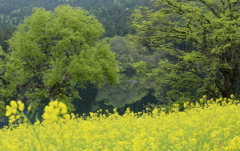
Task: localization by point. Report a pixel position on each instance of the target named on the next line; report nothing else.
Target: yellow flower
(73, 116)
(14, 110)
(186, 104)
(45, 116)
(63, 111)
(56, 111)
(66, 116)
(62, 105)
(14, 104)
(21, 107)
(8, 107)
(18, 117)
(197, 104)
(19, 102)
(54, 118)
(232, 96)
(8, 112)
(201, 100)
(12, 117)
(29, 108)
(192, 129)
(53, 103)
(48, 109)
(233, 144)
(11, 121)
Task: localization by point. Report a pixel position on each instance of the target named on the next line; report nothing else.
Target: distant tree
(5, 34)
(202, 40)
(54, 53)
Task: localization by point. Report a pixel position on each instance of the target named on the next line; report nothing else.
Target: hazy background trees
(113, 14)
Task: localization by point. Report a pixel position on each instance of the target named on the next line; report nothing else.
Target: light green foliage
(53, 53)
(202, 40)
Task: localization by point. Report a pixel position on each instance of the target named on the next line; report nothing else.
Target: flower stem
(34, 130)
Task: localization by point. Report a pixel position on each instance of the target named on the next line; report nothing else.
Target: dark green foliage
(201, 39)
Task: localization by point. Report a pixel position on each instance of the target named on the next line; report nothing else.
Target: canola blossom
(214, 125)
(55, 111)
(12, 109)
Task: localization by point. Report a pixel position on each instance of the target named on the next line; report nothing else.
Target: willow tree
(55, 52)
(203, 39)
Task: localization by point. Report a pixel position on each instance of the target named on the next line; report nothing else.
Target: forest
(106, 54)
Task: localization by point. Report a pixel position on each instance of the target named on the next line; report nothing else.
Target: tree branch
(31, 86)
(209, 7)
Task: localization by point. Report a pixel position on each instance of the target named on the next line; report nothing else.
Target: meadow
(203, 126)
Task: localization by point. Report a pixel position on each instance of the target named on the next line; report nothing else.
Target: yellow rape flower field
(201, 127)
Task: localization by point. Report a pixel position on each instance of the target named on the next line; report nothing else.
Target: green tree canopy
(54, 53)
(202, 40)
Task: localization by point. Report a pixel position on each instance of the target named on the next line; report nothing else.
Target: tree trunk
(53, 91)
(231, 82)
